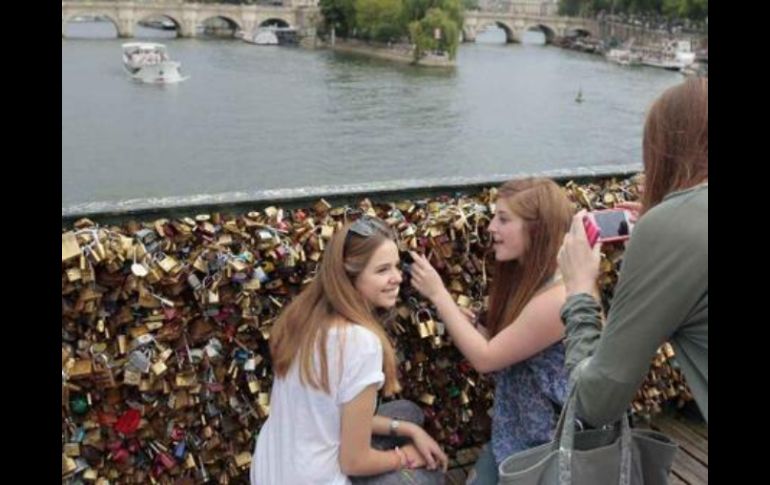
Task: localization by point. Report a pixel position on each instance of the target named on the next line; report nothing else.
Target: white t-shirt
(299, 444)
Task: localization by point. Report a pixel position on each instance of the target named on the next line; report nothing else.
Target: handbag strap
(565, 435)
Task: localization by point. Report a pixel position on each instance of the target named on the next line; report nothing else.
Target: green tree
(569, 7)
(690, 9)
(423, 33)
(340, 14)
(418, 9)
(380, 20)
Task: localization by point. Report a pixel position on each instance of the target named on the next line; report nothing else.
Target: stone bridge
(300, 14)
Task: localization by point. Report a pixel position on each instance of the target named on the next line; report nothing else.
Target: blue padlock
(180, 450)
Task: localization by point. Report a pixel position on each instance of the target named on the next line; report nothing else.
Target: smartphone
(610, 225)
(406, 264)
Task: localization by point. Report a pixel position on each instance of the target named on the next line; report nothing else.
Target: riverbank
(403, 53)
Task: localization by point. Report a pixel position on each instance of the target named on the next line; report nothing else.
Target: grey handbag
(614, 455)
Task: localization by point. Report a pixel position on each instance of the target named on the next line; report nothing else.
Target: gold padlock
(81, 368)
(456, 286)
(181, 399)
(243, 459)
(74, 274)
(463, 301)
(68, 465)
(189, 462)
(271, 212)
(238, 265)
(153, 275)
(72, 449)
(327, 232)
(87, 274)
(322, 207)
(466, 415)
(268, 266)
(201, 265)
(138, 331)
(263, 410)
(252, 285)
(69, 246)
(168, 263)
(405, 206)
(159, 368)
(426, 326)
(146, 385)
(274, 284)
(435, 231)
(427, 398)
(165, 354)
(132, 378)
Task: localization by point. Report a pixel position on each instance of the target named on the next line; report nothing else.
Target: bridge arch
(510, 33)
(149, 16)
(275, 22)
(548, 31)
(67, 19)
(232, 24)
(230, 21)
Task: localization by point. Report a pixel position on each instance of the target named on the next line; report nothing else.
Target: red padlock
(133, 446)
(283, 226)
(106, 419)
(169, 313)
(166, 460)
(177, 433)
(157, 469)
(215, 386)
(120, 455)
(114, 445)
(430, 414)
(128, 423)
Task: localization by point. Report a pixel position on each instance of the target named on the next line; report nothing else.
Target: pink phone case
(592, 230)
(594, 233)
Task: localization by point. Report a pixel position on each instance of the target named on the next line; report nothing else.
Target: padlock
(158, 368)
(426, 326)
(140, 360)
(103, 376)
(80, 368)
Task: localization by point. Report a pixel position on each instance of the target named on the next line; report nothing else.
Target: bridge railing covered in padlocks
(166, 323)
